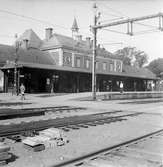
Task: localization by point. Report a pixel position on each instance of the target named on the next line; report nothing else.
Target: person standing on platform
(22, 91)
(121, 87)
(152, 86)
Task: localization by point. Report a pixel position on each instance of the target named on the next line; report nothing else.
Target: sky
(18, 15)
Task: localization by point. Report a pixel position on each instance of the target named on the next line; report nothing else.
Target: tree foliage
(156, 66)
(132, 56)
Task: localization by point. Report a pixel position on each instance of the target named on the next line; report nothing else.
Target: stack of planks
(47, 138)
(4, 155)
(34, 144)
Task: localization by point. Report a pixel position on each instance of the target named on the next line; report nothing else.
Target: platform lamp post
(15, 66)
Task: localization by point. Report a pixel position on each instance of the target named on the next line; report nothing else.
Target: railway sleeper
(72, 127)
(90, 124)
(82, 125)
(132, 154)
(65, 129)
(99, 123)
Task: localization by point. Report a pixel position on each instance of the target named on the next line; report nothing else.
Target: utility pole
(94, 30)
(129, 23)
(15, 67)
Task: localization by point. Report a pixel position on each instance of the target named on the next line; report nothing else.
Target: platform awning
(127, 71)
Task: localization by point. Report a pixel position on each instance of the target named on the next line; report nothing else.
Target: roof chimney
(25, 43)
(79, 38)
(88, 41)
(48, 33)
(91, 43)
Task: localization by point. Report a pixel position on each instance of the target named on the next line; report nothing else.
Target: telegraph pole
(132, 20)
(94, 30)
(15, 78)
(15, 66)
(129, 23)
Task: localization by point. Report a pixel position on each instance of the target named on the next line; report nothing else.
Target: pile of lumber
(4, 155)
(33, 143)
(57, 137)
(47, 138)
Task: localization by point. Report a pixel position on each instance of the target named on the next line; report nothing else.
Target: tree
(156, 66)
(132, 56)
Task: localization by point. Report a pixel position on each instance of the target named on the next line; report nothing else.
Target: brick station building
(64, 64)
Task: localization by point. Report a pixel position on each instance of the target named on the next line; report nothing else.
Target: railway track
(74, 122)
(143, 101)
(133, 153)
(7, 113)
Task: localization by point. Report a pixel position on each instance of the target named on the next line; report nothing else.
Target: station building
(64, 64)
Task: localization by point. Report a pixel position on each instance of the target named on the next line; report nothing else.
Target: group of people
(22, 89)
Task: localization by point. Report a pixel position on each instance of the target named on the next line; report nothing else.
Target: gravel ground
(84, 140)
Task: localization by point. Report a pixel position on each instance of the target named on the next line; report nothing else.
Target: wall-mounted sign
(21, 76)
(47, 81)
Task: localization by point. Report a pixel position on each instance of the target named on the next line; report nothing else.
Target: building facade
(64, 64)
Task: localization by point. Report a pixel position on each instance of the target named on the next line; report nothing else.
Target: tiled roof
(58, 40)
(30, 55)
(33, 39)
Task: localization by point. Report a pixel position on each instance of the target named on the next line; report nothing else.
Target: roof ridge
(62, 35)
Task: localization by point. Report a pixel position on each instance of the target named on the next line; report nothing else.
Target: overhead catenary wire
(135, 33)
(112, 43)
(32, 18)
(36, 20)
(124, 15)
(115, 31)
(146, 25)
(146, 32)
(111, 19)
(118, 13)
(109, 14)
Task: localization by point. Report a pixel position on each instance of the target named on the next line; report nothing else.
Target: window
(104, 66)
(67, 59)
(111, 67)
(87, 63)
(55, 56)
(118, 66)
(78, 62)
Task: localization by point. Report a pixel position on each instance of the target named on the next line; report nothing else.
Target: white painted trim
(115, 63)
(61, 57)
(73, 60)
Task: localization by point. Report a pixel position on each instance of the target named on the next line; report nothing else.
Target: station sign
(21, 76)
